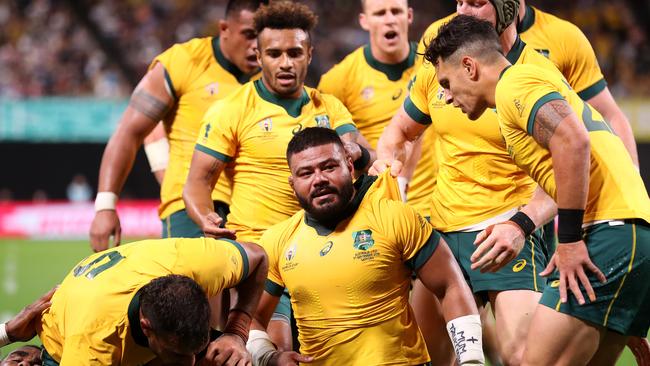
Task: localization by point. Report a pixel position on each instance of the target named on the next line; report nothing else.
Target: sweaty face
(321, 177)
(284, 55)
(481, 9)
(23, 356)
(387, 21)
(238, 38)
(460, 89)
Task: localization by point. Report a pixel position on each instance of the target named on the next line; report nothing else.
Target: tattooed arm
(149, 103)
(558, 129)
(204, 173)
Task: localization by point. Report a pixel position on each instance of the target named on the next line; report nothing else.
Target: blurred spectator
(6, 195)
(45, 50)
(79, 190)
(39, 196)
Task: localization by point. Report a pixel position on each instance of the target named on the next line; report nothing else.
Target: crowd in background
(74, 48)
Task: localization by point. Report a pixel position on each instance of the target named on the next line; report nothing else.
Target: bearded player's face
(321, 177)
(284, 55)
(481, 9)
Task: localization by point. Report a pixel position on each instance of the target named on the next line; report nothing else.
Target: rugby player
(480, 194)
(145, 300)
(28, 355)
(347, 260)
(372, 83)
(181, 84)
(566, 146)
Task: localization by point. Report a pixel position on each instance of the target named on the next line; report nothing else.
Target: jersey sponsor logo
(326, 249)
(397, 94)
(519, 266)
(411, 82)
(367, 93)
(266, 124)
(297, 129)
(363, 239)
(322, 120)
(212, 89)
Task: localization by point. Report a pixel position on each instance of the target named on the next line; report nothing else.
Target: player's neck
(493, 75)
(508, 38)
(226, 54)
(390, 58)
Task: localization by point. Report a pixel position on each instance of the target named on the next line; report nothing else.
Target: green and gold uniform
(373, 92)
(349, 285)
(94, 317)
(567, 47)
(197, 74)
(478, 184)
(251, 128)
(618, 208)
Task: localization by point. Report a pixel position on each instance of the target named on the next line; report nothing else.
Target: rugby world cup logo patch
(363, 239)
(266, 125)
(323, 121)
(290, 253)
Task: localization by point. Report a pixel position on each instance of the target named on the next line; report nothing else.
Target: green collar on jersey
(292, 106)
(515, 51)
(134, 321)
(361, 187)
(504, 71)
(227, 65)
(528, 21)
(393, 72)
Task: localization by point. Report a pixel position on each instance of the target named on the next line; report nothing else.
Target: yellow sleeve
(215, 264)
(95, 349)
(178, 68)
(333, 83)
(340, 117)
(581, 67)
(519, 95)
(270, 241)
(218, 134)
(414, 236)
(416, 103)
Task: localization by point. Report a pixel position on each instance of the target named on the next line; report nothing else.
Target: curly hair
(177, 307)
(284, 15)
(464, 32)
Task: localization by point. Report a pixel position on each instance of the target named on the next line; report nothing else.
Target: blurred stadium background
(67, 68)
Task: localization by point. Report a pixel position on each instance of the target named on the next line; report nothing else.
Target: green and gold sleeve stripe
(244, 257)
(593, 90)
(273, 288)
(223, 157)
(345, 128)
(538, 104)
(415, 113)
(423, 255)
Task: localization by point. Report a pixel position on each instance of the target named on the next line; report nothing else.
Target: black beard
(332, 214)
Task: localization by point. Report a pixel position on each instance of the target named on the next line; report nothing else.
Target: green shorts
(622, 304)
(47, 359)
(180, 225)
(522, 273)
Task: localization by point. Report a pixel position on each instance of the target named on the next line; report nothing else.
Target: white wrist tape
(260, 347)
(105, 201)
(4, 337)
(158, 154)
(403, 184)
(466, 337)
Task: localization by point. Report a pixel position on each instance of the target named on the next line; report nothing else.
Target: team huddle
(401, 213)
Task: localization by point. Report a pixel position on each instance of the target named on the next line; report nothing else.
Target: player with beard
(347, 259)
(182, 82)
(372, 83)
(245, 135)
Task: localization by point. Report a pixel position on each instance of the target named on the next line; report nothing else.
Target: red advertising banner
(63, 220)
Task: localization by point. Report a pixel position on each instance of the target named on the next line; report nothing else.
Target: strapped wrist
(105, 201)
(4, 337)
(524, 222)
(569, 228)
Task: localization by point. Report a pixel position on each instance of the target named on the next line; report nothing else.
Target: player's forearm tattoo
(148, 105)
(548, 118)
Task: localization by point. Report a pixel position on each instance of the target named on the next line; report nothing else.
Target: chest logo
(290, 253)
(397, 94)
(519, 106)
(326, 249)
(212, 89)
(322, 120)
(363, 239)
(411, 82)
(266, 125)
(367, 93)
(440, 94)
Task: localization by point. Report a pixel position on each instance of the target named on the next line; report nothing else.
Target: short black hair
(235, 6)
(463, 31)
(177, 307)
(285, 15)
(310, 137)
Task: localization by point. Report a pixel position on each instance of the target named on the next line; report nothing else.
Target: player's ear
(145, 324)
(291, 181)
(469, 67)
(363, 21)
(223, 28)
(410, 15)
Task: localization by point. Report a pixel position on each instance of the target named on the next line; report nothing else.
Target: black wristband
(524, 222)
(569, 227)
(364, 159)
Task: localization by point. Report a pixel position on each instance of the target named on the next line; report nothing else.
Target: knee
(512, 354)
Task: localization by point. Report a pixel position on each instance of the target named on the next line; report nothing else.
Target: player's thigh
(428, 314)
(513, 311)
(609, 350)
(559, 339)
